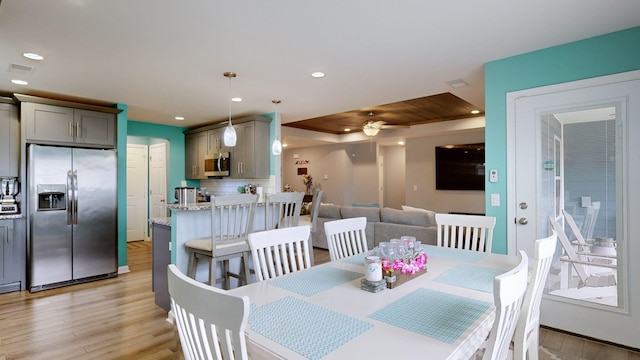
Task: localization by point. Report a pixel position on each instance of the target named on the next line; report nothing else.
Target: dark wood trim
(70, 104)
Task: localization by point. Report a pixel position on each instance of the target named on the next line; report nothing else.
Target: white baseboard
(123, 269)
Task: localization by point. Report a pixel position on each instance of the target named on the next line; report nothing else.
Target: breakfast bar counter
(193, 222)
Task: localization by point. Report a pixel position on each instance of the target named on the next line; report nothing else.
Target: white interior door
(158, 179)
(136, 192)
(573, 148)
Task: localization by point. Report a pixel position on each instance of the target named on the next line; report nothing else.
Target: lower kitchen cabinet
(12, 256)
(161, 258)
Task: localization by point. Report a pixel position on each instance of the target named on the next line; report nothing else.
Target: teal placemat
(453, 254)
(315, 280)
(308, 329)
(432, 313)
(356, 259)
(471, 277)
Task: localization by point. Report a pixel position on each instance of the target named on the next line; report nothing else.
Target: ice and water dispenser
(52, 197)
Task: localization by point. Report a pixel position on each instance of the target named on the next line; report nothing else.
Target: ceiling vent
(21, 69)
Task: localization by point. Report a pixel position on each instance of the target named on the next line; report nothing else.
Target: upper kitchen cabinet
(9, 140)
(48, 123)
(196, 145)
(251, 157)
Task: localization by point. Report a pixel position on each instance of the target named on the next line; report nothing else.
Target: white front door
(574, 150)
(158, 179)
(136, 192)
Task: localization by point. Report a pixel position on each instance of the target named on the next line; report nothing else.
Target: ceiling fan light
(370, 131)
(229, 136)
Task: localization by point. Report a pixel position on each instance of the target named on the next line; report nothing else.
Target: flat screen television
(460, 167)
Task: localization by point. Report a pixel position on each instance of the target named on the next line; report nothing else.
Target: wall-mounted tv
(460, 167)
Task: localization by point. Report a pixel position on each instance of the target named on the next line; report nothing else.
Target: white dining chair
(346, 237)
(231, 222)
(527, 333)
(279, 252)
(469, 232)
(283, 209)
(211, 323)
(508, 294)
(312, 218)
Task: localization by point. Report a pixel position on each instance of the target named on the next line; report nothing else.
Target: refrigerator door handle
(69, 198)
(75, 196)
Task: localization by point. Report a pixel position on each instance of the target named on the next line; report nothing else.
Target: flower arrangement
(409, 265)
(307, 180)
(401, 260)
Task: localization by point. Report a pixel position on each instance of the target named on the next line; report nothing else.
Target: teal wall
(176, 165)
(122, 184)
(603, 55)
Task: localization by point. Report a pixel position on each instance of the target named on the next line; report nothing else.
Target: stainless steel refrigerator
(72, 215)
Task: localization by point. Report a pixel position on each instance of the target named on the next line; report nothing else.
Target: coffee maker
(9, 188)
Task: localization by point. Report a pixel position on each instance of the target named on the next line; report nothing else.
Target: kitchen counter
(193, 222)
(10, 216)
(166, 221)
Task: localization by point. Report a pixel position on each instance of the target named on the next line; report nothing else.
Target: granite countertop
(10, 216)
(161, 221)
(195, 207)
(190, 207)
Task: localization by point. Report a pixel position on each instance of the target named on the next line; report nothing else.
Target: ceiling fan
(371, 128)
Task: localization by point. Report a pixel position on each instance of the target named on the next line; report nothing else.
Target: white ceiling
(166, 57)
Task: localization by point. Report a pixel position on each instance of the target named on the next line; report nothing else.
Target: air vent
(20, 69)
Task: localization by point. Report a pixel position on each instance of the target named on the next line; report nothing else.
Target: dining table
(323, 313)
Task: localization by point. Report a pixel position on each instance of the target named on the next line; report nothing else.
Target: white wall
(394, 176)
(330, 160)
(420, 172)
(352, 173)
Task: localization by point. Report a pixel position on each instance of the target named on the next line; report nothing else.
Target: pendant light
(229, 136)
(276, 148)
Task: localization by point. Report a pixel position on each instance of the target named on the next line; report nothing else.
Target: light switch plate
(495, 199)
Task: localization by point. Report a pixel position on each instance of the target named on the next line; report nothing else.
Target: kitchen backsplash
(230, 186)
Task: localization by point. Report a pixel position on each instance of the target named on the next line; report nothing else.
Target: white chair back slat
(205, 331)
(508, 294)
(346, 237)
(526, 337)
(279, 252)
(468, 232)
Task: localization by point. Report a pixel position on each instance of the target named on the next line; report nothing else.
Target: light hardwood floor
(118, 319)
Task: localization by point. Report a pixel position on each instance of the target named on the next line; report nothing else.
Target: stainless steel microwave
(217, 164)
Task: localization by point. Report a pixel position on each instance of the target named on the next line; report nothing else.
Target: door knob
(523, 221)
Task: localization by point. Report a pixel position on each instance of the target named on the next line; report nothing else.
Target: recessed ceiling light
(457, 83)
(285, 145)
(19, 82)
(475, 111)
(33, 56)
(179, 118)
(400, 142)
(347, 130)
(317, 74)
(236, 99)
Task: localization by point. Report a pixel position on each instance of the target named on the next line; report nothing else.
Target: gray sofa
(382, 224)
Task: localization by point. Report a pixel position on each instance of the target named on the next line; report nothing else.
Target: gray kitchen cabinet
(251, 157)
(161, 258)
(196, 146)
(9, 141)
(12, 267)
(216, 141)
(52, 124)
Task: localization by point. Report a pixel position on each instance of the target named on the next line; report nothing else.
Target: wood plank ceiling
(429, 109)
